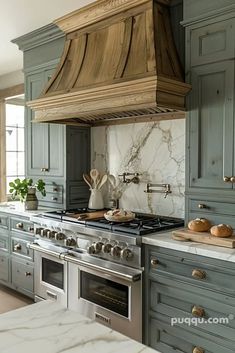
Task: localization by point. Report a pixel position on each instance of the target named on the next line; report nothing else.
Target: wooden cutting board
(203, 237)
(90, 215)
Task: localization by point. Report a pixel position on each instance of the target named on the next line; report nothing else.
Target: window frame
(4, 94)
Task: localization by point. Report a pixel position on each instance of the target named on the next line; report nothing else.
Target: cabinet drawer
(172, 339)
(4, 243)
(19, 248)
(4, 221)
(182, 267)
(212, 43)
(22, 276)
(21, 225)
(175, 300)
(4, 268)
(216, 212)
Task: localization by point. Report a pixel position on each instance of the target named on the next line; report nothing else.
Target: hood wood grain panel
(124, 62)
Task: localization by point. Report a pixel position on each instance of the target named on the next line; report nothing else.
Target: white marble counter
(163, 239)
(49, 328)
(17, 208)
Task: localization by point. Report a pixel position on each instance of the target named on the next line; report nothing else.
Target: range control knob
(60, 236)
(38, 230)
(127, 254)
(98, 246)
(51, 234)
(116, 251)
(70, 242)
(44, 232)
(91, 249)
(106, 248)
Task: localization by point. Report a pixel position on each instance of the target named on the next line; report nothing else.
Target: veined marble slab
(163, 239)
(47, 327)
(155, 150)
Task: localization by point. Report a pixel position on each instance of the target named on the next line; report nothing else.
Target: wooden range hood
(119, 65)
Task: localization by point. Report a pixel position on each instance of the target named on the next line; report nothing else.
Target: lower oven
(108, 293)
(50, 275)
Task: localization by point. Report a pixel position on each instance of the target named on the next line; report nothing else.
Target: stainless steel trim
(51, 295)
(45, 251)
(128, 277)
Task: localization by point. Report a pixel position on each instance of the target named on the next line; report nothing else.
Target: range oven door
(50, 279)
(108, 295)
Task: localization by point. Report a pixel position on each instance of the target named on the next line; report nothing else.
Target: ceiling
(18, 17)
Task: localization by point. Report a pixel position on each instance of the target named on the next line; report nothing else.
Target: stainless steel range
(94, 266)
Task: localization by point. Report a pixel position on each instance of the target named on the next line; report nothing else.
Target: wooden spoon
(112, 180)
(102, 181)
(94, 176)
(87, 180)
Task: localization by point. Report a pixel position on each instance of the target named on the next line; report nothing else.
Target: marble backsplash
(155, 150)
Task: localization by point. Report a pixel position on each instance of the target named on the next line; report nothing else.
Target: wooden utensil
(102, 181)
(112, 180)
(203, 237)
(87, 179)
(94, 176)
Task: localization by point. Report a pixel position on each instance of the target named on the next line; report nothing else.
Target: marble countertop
(163, 239)
(17, 208)
(49, 328)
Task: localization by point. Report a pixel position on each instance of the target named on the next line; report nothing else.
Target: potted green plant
(25, 190)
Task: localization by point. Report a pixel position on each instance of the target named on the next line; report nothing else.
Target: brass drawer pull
(27, 274)
(154, 262)
(17, 247)
(198, 350)
(198, 311)
(44, 169)
(56, 189)
(202, 206)
(232, 179)
(198, 274)
(19, 225)
(54, 198)
(226, 179)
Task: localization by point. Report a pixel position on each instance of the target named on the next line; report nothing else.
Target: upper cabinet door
(36, 133)
(45, 142)
(211, 146)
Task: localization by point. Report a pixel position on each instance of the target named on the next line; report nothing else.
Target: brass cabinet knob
(31, 229)
(198, 274)
(27, 274)
(232, 179)
(201, 206)
(44, 169)
(54, 198)
(198, 311)
(198, 350)
(154, 262)
(19, 225)
(17, 247)
(226, 179)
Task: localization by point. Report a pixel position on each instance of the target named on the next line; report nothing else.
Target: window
(15, 140)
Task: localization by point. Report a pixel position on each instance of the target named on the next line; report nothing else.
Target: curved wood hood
(119, 65)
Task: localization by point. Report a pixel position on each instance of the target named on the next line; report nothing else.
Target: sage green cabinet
(16, 259)
(174, 293)
(45, 142)
(210, 125)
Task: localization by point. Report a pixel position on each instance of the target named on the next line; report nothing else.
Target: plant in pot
(25, 190)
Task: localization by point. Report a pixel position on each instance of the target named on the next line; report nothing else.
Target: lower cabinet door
(4, 268)
(171, 339)
(22, 277)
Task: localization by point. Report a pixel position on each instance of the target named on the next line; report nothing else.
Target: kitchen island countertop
(164, 240)
(47, 327)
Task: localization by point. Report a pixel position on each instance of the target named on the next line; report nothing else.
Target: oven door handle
(128, 277)
(37, 247)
